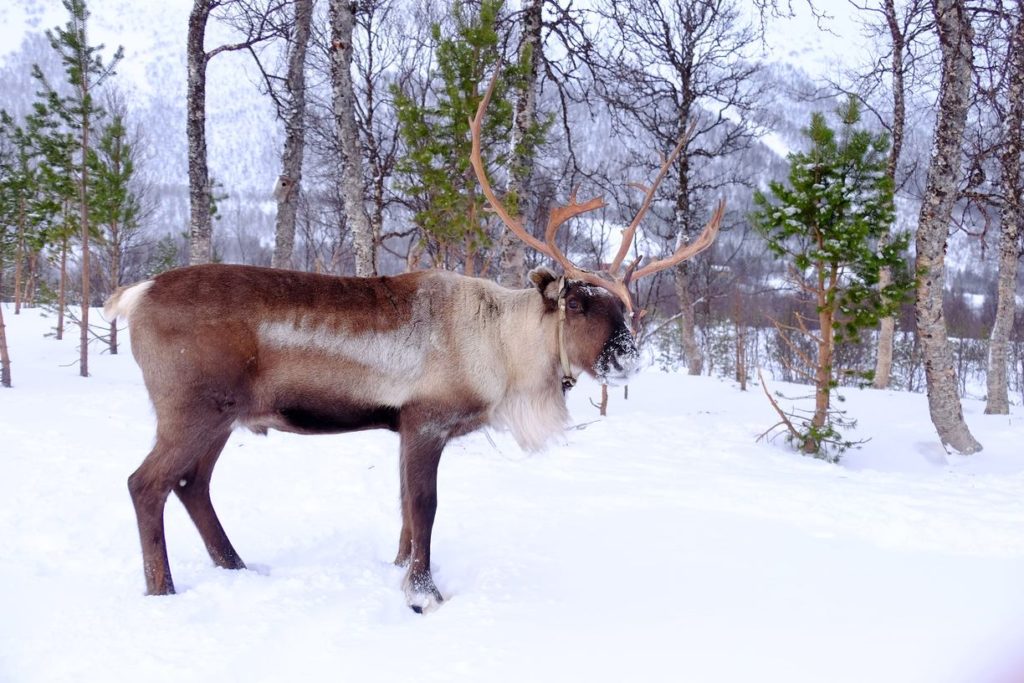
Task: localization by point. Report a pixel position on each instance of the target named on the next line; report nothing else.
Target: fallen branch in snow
(782, 415)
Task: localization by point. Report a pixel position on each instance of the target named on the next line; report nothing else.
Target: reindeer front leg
(422, 442)
(405, 537)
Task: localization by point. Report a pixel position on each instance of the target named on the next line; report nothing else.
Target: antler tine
(560, 214)
(627, 277)
(687, 251)
(475, 159)
(627, 236)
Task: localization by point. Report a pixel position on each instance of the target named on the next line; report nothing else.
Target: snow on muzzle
(619, 360)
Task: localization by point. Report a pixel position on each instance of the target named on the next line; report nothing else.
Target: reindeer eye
(573, 304)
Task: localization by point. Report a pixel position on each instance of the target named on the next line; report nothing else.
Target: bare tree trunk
(741, 340)
(29, 297)
(288, 185)
(955, 34)
(1009, 236)
(62, 288)
(886, 336)
(887, 326)
(681, 273)
(115, 278)
(19, 256)
(511, 250)
(5, 358)
(83, 323)
(344, 101)
(823, 368)
(687, 323)
(200, 231)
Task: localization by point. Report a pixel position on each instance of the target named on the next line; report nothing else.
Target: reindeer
(430, 355)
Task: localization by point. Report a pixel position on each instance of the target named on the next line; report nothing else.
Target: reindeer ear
(546, 283)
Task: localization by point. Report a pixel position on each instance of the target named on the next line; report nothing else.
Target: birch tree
(290, 103)
(351, 186)
(511, 250)
(1011, 215)
(955, 33)
(255, 22)
(899, 26)
(10, 179)
(668, 63)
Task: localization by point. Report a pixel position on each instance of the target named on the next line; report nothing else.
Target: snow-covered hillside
(659, 544)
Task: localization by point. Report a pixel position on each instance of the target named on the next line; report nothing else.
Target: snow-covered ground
(659, 544)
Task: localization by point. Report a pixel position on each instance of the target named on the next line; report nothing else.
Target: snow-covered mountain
(798, 54)
(244, 137)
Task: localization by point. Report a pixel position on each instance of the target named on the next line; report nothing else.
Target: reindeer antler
(614, 278)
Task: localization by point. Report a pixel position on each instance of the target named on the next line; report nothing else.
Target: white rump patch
(123, 303)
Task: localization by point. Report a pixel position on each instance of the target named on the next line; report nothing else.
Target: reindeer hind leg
(180, 454)
(193, 490)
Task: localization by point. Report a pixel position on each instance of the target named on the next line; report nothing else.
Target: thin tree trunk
(955, 35)
(687, 323)
(29, 298)
(1009, 237)
(681, 273)
(63, 286)
(741, 341)
(887, 326)
(19, 256)
(511, 250)
(288, 185)
(823, 369)
(200, 231)
(351, 176)
(4, 355)
(376, 159)
(115, 277)
(886, 337)
(83, 323)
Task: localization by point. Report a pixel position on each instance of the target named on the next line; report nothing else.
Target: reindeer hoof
(421, 594)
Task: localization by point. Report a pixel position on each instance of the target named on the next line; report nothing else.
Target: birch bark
(200, 229)
(1010, 218)
(289, 183)
(344, 101)
(887, 326)
(511, 250)
(955, 33)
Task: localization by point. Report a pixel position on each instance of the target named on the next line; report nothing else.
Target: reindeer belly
(309, 392)
(333, 418)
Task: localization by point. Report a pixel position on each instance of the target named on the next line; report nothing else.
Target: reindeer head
(594, 333)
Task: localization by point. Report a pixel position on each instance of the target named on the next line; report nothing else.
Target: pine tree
(10, 179)
(85, 72)
(115, 207)
(828, 223)
(18, 178)
(437, 174)
(55, 194)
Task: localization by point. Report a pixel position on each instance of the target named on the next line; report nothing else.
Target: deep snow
(659, 544)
